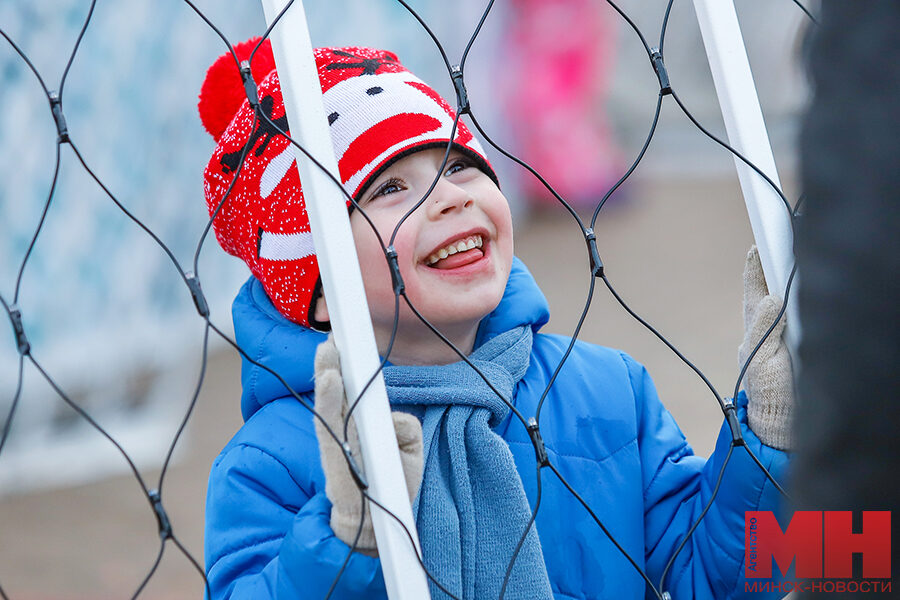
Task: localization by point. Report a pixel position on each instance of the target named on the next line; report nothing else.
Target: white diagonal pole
(347, 307)
(746, 129)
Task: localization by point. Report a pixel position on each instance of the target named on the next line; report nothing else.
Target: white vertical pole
(747, 134)
(347, 307)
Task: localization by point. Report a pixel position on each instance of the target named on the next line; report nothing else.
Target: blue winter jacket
(267, 533)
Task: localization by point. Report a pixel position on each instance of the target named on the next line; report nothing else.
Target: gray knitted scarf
(471, 509)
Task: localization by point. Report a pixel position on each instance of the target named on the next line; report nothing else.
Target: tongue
(460, 259)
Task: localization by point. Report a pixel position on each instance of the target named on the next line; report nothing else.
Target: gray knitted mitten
(769, 379)
(346, 500)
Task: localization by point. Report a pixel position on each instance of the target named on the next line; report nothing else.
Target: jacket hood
(288, 349)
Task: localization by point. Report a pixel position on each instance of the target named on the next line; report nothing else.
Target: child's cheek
(368, 250)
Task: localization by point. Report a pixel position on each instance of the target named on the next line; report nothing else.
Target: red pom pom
(223, 91)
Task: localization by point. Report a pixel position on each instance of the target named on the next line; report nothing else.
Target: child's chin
(465, 313)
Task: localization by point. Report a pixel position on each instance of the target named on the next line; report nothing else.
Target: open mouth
(458, 253)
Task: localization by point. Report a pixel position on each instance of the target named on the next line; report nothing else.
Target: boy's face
(455, 251)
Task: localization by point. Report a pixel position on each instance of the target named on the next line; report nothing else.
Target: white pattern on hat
(275, 171)
(286, 246)
(358, 111)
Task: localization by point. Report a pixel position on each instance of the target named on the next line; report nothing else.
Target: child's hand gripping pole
(342, 484)
(769, 378)
(395, 531)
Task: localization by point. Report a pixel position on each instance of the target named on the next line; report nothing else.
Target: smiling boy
(279, 520)
(454, 253)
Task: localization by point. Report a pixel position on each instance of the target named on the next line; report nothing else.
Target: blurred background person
(848, 253)
(557, 60)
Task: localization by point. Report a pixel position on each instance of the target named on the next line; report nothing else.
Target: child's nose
(447, 197)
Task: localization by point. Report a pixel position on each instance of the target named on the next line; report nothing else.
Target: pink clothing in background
(556, 77)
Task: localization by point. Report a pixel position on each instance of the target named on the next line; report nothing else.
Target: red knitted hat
(378, 113)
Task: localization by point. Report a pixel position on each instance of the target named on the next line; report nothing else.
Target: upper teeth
(473, 241)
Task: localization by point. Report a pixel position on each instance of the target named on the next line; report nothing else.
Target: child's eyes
(458, 165)
(391, 186)
(395, 185)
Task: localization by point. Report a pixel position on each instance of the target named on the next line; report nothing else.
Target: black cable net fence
(68, 150)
